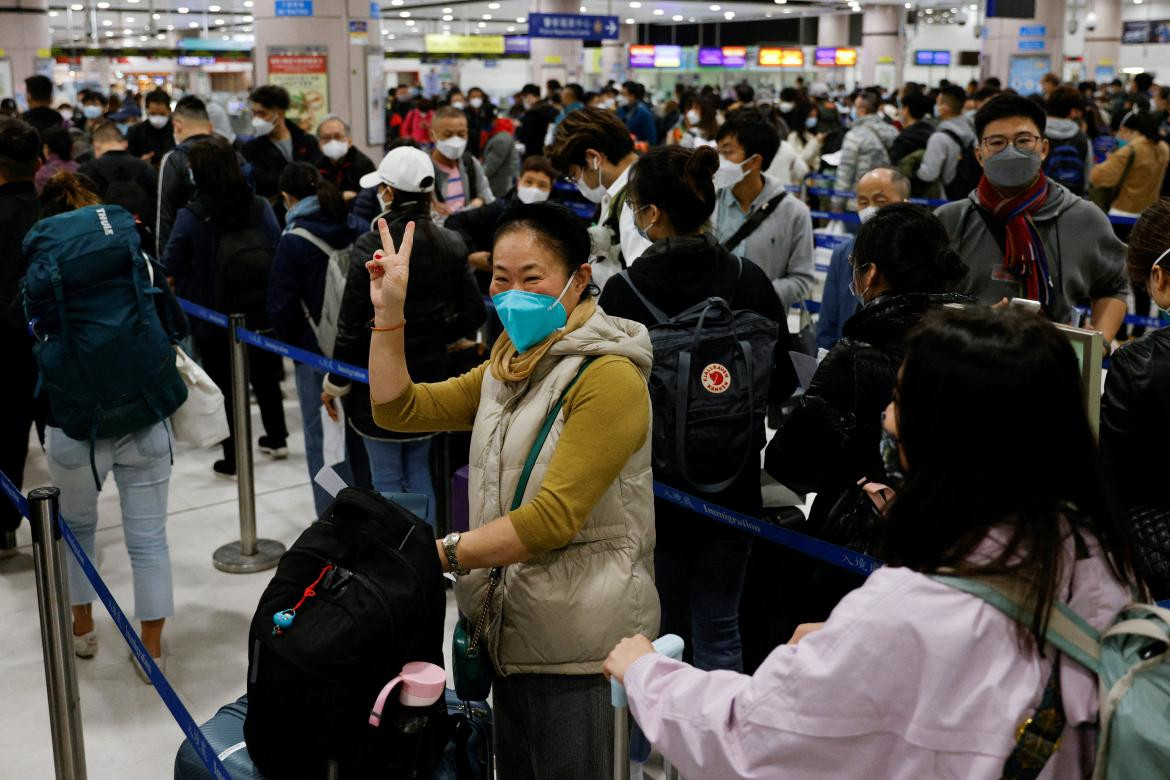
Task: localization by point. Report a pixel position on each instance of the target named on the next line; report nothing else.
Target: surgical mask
(529, 318)
(812, 122)
(644, 232)
(262, 126)
(621, 100)
(457, 105)
(593, 194)
(866, 214)
(476, 102)
(1011, 167)
(693, 117)
(729, 174)
(383, 205)
(91, 112)
(891, 460)
(335, 149)
(66, 115)
(123, 127)
(609, 104)
(786, 106)
(531, 194)
(158, 121)
(451, 148)
(1121, 142)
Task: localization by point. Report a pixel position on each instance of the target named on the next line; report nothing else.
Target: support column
(883, 45)
(1002, 47)
(1102, 44)
(833, 29)
(26, 37)
(555, 58)
(355, 76)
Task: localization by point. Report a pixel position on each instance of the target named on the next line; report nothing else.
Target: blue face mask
(530, 318)
(1121, 142)
(123, 128)
(811, 123)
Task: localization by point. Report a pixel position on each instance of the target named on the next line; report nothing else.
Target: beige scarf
(508, 365)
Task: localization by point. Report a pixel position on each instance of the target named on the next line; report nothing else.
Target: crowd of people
(944, 428)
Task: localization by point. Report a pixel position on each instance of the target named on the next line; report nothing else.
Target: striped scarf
(1023, 255)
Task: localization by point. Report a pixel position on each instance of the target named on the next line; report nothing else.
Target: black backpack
(243, 259)
(1066, 162)
(373, 600)
(709, 390)
(968, 171)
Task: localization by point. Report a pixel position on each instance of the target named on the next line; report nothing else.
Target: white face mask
(457, 105)
(786, 106)
(693, 117)
(383, 204)
(335, 149)
(866, 214)
(262, 126)
(531, 194)
(476, 102)
(451, 148)
(158, 121)
(729, 173)
(66, 115)
(592, 194)
(621, 100)
(608, 104)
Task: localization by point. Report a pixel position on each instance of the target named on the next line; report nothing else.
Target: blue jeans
(309, 395)
(141, 463)
(403, 467)
(704, 578)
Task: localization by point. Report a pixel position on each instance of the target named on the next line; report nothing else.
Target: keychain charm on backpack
(283, 620)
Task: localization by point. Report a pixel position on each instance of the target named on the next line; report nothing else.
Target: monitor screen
(931, 57)
(734, 56)
(668, 56)
(641, 56)
(710, 58)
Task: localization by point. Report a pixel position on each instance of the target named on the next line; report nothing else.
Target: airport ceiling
(144, 23)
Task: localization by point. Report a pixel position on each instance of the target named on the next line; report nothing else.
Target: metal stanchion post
(621, 743)
(249, 554)
(56, 637)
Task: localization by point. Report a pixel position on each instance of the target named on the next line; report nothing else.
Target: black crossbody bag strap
(753, 222)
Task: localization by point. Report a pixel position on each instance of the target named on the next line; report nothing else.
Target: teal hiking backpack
(105, 356)
(1133, 671)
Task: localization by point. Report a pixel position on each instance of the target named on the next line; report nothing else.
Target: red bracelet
(376, 329)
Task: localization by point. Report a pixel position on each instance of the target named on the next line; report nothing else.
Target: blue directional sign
(1037, 31)
(579, 26)
(1037, 45)
(294, 7)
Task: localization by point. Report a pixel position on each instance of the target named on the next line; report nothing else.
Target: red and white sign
(716, 378)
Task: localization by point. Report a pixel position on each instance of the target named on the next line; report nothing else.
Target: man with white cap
(443, 304)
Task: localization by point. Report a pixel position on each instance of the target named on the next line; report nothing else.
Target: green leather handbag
(472, 667)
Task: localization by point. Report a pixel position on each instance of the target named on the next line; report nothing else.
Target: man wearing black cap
(20, 149)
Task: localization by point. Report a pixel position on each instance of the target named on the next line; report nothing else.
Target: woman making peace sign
(577, 542)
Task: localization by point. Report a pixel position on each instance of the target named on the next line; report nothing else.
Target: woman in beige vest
(578, 549)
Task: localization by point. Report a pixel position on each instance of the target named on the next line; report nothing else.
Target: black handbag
(1150, 530)
(855, 516)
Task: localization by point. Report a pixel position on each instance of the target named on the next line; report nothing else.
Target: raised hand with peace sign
(389, 274)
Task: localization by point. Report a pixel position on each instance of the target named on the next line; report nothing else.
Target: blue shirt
(838, 303)
(640, 122)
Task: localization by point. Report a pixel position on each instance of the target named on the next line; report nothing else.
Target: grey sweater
(1085, 259)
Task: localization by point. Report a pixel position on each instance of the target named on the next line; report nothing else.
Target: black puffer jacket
(832, 437)
(1137, 402)
(442, 305)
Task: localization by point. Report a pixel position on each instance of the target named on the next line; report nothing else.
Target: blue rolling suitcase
(225, 732)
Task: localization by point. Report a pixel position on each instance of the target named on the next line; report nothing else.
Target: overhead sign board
(1033, 31)
(655, 56)
(723, 57)
(294, 7)
(579, 26)
(770, 57)
(517, 44)
(1036, 45)
(830, 57)
(1151, 31)
(440, 43)
(932, 57)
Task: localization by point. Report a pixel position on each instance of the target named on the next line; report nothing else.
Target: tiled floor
(128, 731)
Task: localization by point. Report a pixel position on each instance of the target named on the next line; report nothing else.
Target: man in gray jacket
(781, 242)
(943, 150)
(866, 146)
(1084, 260)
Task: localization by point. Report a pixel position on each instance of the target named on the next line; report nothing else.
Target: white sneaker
(85, 646)
(160, 662)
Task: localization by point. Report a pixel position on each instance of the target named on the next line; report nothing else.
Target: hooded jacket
(1067, 133)
(941, 161)
(1086, 260)
(866, 146)
(830, 440)
(913, 138)
(562, 611)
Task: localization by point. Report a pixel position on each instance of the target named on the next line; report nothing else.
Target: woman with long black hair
(911, 677)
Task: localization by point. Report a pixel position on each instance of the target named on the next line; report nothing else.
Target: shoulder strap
(1128, 165)
(1067, 630)
(658, 314)
(542, 435)
(753, 221)
(314, 240)
(471, 186)
(953, 136)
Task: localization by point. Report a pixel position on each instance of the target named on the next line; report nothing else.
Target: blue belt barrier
(165, 691)
(829, 240)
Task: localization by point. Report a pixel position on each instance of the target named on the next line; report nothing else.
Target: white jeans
(141, 463)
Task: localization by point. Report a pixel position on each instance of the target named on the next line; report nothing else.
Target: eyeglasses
(1024, 142)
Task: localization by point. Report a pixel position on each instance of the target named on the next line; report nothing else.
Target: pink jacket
(908, 679)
